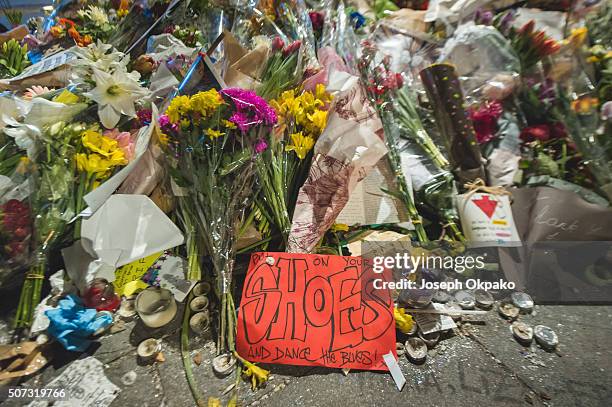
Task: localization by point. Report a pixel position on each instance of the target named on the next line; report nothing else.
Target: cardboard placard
(314, 310)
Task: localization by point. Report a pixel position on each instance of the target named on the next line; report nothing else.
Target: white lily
(95, 14)
(98, 56)
(26, 136)
(115, 94)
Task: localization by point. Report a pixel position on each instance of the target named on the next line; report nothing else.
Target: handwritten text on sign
(315, 310)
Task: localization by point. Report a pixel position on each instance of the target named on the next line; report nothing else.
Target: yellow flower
(185, 123)
(98, 143)
(163, 138)
(24, 165)
(322, 95)
(207, 102)
(308, 101)
(339, 227)
(180, 105)
(301, 144)
(92, 163)
(98, 164)
(403, 321)
(228, 125)
(318, 119)
(212, 133)
(577, 37)
(66, 97)
(213, 402)
(593, 59)
(257, 374)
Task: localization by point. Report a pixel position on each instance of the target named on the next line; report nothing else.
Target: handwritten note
(314, 310)
(126, 275)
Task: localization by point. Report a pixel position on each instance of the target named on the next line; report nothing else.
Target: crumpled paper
(127, 228)
(71, 324)
(350, 146)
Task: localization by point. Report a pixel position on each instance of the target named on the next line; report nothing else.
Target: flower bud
(277, 44)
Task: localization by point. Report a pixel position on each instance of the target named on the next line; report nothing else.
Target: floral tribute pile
(250, 127)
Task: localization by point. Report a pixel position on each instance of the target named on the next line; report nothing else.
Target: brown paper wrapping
(243, 67)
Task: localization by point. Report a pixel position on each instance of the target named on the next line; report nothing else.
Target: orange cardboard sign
(314, 310)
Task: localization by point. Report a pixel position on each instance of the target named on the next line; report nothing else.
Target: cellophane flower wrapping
(215, 137)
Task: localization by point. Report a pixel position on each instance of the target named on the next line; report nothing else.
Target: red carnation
(541, 132)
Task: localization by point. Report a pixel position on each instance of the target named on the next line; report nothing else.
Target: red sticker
(314, 310)
(486, 205)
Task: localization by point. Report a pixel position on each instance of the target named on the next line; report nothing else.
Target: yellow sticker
(132, 272)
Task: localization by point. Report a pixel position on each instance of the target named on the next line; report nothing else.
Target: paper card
(394, 369)
(429, 323)
(487, 219)
(314, 310)
(133, 272)
(85, 384)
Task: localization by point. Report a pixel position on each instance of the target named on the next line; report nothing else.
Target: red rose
(485, 119)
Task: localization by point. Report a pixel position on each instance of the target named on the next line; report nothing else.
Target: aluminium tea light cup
(465, 299)
(508, 311)
(522, 332)
(224, 364)
(201, 288)
(545, 337)
(156, 306)
(148, 349)
(522, 301)
(416, 350)
(200, 322)
(484, 299)
(199, 304)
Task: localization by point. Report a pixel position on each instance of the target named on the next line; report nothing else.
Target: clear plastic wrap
(216, 137)
(15, 212)
(483, 59)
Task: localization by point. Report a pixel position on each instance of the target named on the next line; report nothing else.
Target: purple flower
(144, 116)
(242, 121)
(484, 17)
(251, 109)
(506, 22)
(260, 146)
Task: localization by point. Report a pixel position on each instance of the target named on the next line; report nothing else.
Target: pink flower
(124, 141)
(484, 119)
(260, 146)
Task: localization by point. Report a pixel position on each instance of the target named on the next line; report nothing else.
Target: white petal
(108, 116)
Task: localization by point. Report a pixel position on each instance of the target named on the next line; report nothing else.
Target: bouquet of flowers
(215, 138)
(401, 118)
(15, 213)
(283, 69)
(283, 167)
